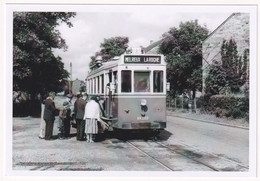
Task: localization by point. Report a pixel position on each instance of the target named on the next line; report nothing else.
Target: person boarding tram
(92, 115)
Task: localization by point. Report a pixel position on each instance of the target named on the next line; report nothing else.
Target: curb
(223, 124)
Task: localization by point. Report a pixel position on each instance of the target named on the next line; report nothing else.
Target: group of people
(86, 113)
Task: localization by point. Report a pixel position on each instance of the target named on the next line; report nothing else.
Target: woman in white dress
(92, 115)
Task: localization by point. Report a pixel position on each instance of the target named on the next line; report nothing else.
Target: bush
(225, 105)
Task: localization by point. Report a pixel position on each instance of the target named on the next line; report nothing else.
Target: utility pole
(70, 83)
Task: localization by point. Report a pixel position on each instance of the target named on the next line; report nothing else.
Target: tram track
(196, 160)
(169, 168)
(214, 155)
(150, 156)
(217, 156)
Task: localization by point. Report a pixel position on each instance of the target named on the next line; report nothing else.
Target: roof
(153, 45)
(224, 22)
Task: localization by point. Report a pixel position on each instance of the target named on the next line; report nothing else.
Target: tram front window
(158, 81)
(126, 81)
(142, 81)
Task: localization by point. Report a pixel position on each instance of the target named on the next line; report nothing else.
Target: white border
(8, 88)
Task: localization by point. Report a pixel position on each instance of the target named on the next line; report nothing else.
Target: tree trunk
(194, 107)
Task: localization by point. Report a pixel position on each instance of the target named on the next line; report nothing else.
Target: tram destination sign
(143, 59)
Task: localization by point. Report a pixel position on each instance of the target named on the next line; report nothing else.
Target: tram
(132, 91)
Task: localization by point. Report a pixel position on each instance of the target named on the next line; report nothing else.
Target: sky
(140, 23)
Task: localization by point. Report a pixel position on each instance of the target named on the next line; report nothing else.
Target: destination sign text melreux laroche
(143, 59)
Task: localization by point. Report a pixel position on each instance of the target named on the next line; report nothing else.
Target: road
(228, 142)
(185, 145)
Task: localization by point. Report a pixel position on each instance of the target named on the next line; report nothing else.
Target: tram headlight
(144, 107)
(143, 102)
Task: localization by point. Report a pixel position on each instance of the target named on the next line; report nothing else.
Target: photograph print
(161, 88)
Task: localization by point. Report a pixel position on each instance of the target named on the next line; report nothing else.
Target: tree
(231, 73)
(110, 48)
(35, 68)
(114, 46)
(182, 48)
(216, 82)
(233, 65)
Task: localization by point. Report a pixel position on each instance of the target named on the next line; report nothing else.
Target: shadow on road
(126, 135)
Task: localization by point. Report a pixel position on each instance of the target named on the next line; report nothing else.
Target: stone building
(235, 27)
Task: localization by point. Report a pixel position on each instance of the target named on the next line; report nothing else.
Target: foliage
(232, 64)
(182, 48)
(227, 106)
(110, 48)
(114, 46)
(216, 80)
(230, 74)
(35, 68)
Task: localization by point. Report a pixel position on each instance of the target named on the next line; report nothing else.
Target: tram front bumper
(144, 125)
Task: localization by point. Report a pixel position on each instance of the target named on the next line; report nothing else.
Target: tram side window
(95, 84)
(91, 86)
(142, 81)
(158, 81)
(98, 85)
(102, 83)
(115, 80)
(126, 81)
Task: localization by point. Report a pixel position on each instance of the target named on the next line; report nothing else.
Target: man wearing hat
(79, 110)
(49, 115)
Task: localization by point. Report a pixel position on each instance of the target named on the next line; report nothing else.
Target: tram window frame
(160, 81)
(137, 85)
(126, 81)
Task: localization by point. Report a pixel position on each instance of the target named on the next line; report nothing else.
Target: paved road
(229, 142)
(184, 146)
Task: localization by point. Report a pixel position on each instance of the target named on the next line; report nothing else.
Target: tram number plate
(143, 118)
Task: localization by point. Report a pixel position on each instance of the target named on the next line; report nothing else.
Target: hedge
(226, 106)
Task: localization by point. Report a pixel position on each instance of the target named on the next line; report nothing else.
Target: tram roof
(105, 66)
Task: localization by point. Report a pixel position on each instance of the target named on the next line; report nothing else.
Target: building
(77, 86)
(236, 26)
(153, 48)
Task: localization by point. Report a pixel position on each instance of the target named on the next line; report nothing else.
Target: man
(49, 115)
(79, 110)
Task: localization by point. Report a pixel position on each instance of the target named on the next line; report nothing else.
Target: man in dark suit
(49, 115)
(79, 110)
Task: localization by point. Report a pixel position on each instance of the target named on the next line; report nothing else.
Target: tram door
(111, 90)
